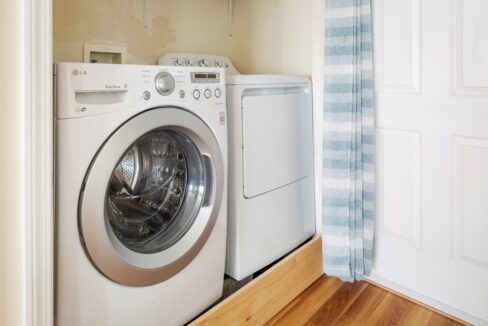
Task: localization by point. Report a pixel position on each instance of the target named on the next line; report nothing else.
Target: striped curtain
(349, 140)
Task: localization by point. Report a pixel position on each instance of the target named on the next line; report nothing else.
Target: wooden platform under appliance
(264, 297)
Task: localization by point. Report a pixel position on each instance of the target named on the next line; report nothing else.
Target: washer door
(151, 197)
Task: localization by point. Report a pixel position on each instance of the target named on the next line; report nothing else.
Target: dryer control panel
(198, 60)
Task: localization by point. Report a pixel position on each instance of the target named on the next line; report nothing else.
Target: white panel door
(432, 152)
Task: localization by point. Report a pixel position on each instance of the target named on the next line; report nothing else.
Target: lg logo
(77, 72)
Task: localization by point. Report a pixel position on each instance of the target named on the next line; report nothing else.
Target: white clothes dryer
(271, 181)
(141, 168)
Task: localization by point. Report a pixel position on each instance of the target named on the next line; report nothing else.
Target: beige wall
(269, 36)
(278, 36)
(13, 38)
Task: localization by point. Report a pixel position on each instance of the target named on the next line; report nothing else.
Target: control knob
(204, 63)
(164, 83)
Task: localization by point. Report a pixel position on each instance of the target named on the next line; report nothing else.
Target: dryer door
(151, 197)
(277, 138)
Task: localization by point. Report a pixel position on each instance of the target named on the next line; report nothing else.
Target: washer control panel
(94, 89)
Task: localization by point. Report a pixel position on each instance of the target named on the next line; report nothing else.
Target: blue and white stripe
(349, 140)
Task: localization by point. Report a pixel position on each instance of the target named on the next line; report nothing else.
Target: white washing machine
(271, 180)
(141, 168)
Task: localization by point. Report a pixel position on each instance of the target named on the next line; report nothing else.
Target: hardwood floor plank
(388, 310)
(306, 304)
(417, 315)
(361, 309)
(329, 301)
(439, 320)
(338, 304)
(398, 308)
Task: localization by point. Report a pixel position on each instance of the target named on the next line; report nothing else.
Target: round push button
(196, 94)
(218, 93)
(146, 95)
(208, 93)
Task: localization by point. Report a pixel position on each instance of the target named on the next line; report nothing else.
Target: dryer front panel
(151, 197)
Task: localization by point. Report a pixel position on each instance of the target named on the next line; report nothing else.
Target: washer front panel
(108, 254)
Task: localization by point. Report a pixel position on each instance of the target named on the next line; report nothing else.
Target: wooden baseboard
(260, 300)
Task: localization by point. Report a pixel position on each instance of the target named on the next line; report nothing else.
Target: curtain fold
(349, 140)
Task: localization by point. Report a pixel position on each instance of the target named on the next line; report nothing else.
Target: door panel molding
(467, 80)
(387, 35)
(401, 209)
(468, 178)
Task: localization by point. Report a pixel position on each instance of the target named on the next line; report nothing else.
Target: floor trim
(426, 302)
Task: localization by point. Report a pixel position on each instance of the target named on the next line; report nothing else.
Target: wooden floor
(330, 301)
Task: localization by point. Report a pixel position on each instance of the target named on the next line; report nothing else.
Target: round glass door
(155, 191)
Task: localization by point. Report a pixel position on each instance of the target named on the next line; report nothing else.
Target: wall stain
(111, 22)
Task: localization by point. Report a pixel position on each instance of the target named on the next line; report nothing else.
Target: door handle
(207, 199)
